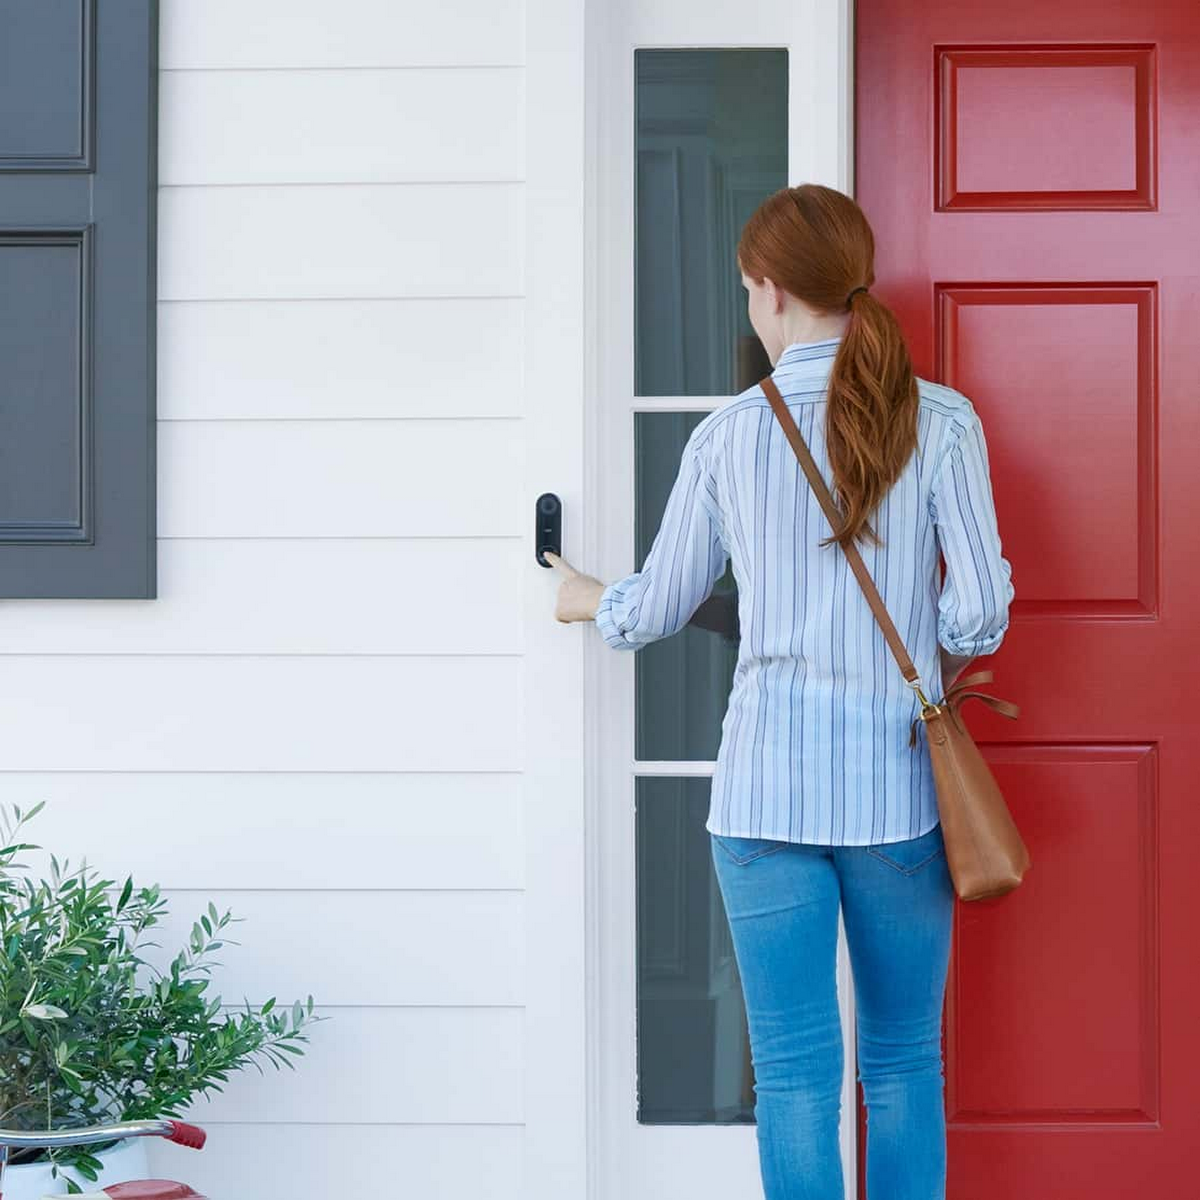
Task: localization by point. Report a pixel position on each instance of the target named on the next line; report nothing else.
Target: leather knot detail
(960, 692)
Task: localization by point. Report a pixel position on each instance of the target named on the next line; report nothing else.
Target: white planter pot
(122, 1162)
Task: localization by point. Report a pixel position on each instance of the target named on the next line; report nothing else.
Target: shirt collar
(808, 360)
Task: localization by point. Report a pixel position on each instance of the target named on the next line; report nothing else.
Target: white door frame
(553, 700)
(625, 1159)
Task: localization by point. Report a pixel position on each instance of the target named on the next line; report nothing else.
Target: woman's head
(803, 250)
(801, 254)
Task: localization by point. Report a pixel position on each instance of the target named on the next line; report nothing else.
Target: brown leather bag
(984, 850)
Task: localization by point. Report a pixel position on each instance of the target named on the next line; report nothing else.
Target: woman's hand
(578, 594)
(953, 666)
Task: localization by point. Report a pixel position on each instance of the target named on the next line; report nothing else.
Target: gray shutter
(78, 180)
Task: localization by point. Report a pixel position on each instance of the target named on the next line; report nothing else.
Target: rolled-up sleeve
(685, 560)
(974, 603)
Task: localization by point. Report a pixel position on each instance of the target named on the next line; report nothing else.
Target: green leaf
(89, 1171)
(43, 1012)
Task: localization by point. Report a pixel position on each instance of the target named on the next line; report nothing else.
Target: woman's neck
(804, 327)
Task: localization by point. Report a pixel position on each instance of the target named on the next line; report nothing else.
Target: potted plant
(92, 1031)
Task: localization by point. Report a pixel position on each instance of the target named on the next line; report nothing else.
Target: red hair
(816, 244)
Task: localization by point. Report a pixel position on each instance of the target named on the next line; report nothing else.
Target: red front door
(1032, 173)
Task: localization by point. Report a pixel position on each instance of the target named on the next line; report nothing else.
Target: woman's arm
(974, 602)
(684, 563)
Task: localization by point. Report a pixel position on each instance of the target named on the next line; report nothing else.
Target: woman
(818, 800)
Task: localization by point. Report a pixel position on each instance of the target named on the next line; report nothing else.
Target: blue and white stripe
(814, 743)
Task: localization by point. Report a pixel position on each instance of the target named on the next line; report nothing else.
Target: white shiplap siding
(313, 724)
(335, 126)
(293, 241)
(296, 595)
(332, 359)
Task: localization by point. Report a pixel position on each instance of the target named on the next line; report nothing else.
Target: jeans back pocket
(745, 849)
(911, 854)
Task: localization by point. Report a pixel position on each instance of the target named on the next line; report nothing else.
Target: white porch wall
(313, 724)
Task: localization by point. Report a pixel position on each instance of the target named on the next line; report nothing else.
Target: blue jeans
(897, 901)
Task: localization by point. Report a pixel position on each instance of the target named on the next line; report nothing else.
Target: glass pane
(693, 1049)
(711, 130)
(682, 682)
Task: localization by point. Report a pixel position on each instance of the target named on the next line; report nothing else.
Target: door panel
(1041, 244)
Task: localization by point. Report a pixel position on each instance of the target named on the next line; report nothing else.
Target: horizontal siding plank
(297, 595)
(333, 241)
(217, 830)
(350, 948)
(377, 126)
(273, 713)
(341, 479)
(434, 1065)
(340, 358)
(354, 33)
(338, 1162)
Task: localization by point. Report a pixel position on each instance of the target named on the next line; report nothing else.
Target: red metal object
(191, 1136)
(152, 1189)
(1031, 174)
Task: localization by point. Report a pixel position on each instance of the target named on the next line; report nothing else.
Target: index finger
(560, 563)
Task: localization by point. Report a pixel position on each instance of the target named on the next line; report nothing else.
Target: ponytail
(871, 422)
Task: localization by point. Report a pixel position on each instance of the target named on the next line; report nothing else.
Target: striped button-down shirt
(814, 742)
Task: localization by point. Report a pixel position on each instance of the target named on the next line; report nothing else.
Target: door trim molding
(553, 683)
(820, 39)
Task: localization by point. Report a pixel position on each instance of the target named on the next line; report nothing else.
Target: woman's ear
(775, 295)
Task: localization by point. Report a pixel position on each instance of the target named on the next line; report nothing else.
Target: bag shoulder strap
(856, 563)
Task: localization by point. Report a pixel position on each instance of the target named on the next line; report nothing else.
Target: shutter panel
(78, 181)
